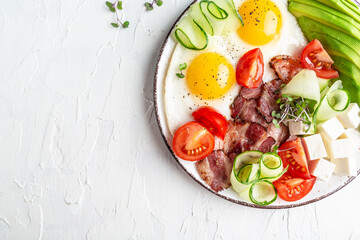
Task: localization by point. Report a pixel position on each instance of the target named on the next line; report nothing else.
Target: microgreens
(150, 6)
(181, 68)
(113, 7)
(293, 109)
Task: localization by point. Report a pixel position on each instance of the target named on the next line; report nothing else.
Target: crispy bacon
(235, 137)
(286, 67)
(246, 109)
(266, 146)
(250, 93)
(215, 170)
(280, 135)
(267, 101)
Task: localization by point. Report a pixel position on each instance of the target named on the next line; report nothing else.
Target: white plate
(320, 190)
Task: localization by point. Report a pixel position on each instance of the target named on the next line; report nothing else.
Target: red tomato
(315, 57)
(292, 189)
(292, 153)
(193, 142)
(250, 69)
(212, 120)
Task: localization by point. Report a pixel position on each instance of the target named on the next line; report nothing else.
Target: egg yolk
(210, 75)
(262, 22)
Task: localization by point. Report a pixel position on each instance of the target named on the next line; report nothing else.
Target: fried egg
(210, 78)
(209, 81)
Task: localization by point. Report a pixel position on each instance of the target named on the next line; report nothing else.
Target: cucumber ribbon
(203, 19)
(252, 176)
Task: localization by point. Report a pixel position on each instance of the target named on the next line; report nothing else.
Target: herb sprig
(150, 5)
(294, 109)
(113, 7)
(182, 67)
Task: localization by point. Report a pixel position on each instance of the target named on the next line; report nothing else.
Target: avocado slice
(345, 66)
(344, 8)
(334, 42)
(325, 15)
(350, 85)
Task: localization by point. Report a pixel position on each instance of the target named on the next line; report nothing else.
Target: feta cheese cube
(299, 128)
(340, 148)
(352, 133)
(322, 169)
(350, 117)
(331, 129)
(345, 166)
(314, 147)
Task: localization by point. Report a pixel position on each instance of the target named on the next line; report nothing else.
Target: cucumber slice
(263, 192)
(248, 157)
(191, 35)
(241, 169)
(335, 101)
(322, 83)
(304, 84)
(270, 166)
(206, 17)
(246, 175)
(200, 15)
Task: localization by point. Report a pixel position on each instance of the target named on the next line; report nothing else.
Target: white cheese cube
(350, 117)
(299, 128)
(331, 129)
(345, 166)
(322, 169)
(314, 147)
(340, 148)
(351, 133)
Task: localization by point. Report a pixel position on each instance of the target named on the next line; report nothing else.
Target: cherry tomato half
(292, 189)
(250, 69)
(315, 57)
(212, 120)
(192, 142)
(292, 153)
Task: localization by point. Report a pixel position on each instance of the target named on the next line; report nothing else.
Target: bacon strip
(280, 135)
(286, 67)
(215, 170)
(250, 93)
(246, 109)
(267, 101)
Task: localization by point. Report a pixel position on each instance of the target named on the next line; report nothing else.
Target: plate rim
(243, 203)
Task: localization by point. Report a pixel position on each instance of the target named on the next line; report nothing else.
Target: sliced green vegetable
(206, 17)
(304, 84)
(340, 6)
(325, 15)
(191, 35)
(252, 176)
(323, 83)
(244, 159)
(263, 192)
(335, 101)
(270, 165)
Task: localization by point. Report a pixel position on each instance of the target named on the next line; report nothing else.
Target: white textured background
(81, 156)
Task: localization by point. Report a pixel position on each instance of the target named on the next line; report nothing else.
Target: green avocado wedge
(346, 67)
(325, 15)
(350, 76)
(335, 42)
(344, 7)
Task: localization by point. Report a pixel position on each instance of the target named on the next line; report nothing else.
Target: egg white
(180, 103)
